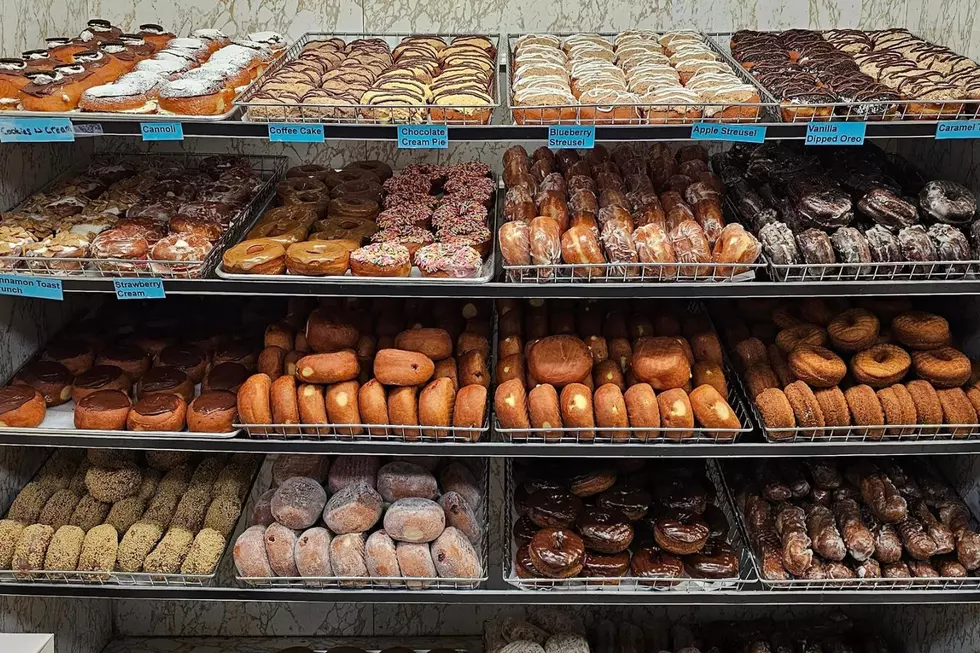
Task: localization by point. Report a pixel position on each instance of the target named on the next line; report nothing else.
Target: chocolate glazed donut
(557, 553)
(715, 560)
(632, 502)
(605, 531)
(553, 508)
(597, 565)
(947, 201)
(681, 533)
(650, 562)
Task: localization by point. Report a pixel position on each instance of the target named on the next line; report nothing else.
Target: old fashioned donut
(801, 334)
(853, 330)
(806, 408)
(834, 406)
(957, 409)
(751, 351)
(817, 366)
(760, 377)
(921, 330)
(928, 409)
(946, 367)
(780, 364)
(897, 406)
(776, 411)
(865, 409)
(881, 365)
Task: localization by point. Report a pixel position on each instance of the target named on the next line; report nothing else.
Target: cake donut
(897, 406)
(957, 409)
(851, 247)
(865, 409)
(916, 245)
(948, 202)
(921, 330)
(853, 330)
(779, 244)
(805, 406)
(928, 409)
(883, 245)
(381, 260)
(880, 365)
(815, 248)
(945, 367)
(817, 366)
(950, 243)
(834, 406)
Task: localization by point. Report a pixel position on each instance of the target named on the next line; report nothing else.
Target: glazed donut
(866, 410)
(681, 533)
(948, 201)
(946, 367)
(357, 230)
(920, 330)
(557, 552)
(801, 334)
(928, 409)
(715, 560)
(833, 404)
(318, 258)
(605, 531)
(597, 565)
(806, 408)
(881, 365)
(776, 411)
(650, 562)
(553, 508)
(817, 366)
(580, 247)
(515, 243)
(261, 256)
(853, 330)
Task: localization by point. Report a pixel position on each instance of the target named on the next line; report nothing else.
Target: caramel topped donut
(319, 257)
(259, 256)
(920, 330)
(650, 562)
(818, 366)
(853, 330)
(881, 365)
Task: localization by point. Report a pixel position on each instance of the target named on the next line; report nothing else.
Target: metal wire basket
(944, 584)
(893, 110)
(366, 432)
(373, 583)
(631, 583)
(270, 168)
(257, 110)
(640, 113)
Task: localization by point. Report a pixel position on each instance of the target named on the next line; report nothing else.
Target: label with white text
(710, 131)
(36, 130)
(283, 132)
(571, 137)
(22, 286)
(162, 131)
(423, 137)
(835, 133)
(147, 288)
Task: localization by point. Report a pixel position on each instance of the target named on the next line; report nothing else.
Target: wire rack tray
(629, 583)
(366, 432)
(593, 114)
(122, 578)
(895, 110)
(372, 583)
(632, 273)
(270, 168)
(940, 584)
(257, 110)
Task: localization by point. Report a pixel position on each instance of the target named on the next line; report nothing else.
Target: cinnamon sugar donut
(750, 352)
(853, 330)
(817, 366)
(897, 406)
(881, 365)
(921, 330)
(806, 408)
(801, 334)
(973, 394)
(957, 409)
(780, 365)
(866, 410)
(760, 377)
(834, 406)
(946, 367)
(928, 409)
(776, 411)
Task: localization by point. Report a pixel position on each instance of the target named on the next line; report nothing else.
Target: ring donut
(834, 406)
(776, 411)
(853, 330)
(946, 367)
(928, 409)
(801, 334)
(921, 330)
(897, 406)
(881, 365)
(957, 409)
(866, 410)
(806, 408)
(817, 366)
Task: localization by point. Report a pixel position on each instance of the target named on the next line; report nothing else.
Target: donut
(590, 481)
(712, 411)
(853, 330)
(553, 508)
(957, 409)
(973, 394)
(806, 408)
(776, 411)
(817, 311)
(866, 410)
(897, 406)
(883, 245)
(948, 202)
(751, 351)
(760, 377)
(643, 410)
(928, 409)
(711, 373)
(557, 553)
(577, 411)
(817, 366)
(258, 256)
(545, 412)
(650, 562)
(610, 411)
(381, 260)
(920, 330)
(514, 239)
(780, 365)
(801, 334)
(852, 249)
(676, 413)
(681, 533)
(605, 531)
(917, 247)
(510, 405)
(946, 367)
(778, 243)
(834, 406)
(881, 365)
(318, 258)
(816, 249)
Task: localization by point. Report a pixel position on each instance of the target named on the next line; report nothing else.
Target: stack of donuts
(380, 370)
(544, 627)
(162, 512)
(646, 521)
(133, 376)
(853, 206)
(369, 221)
(866, 519)
(626, 215)
(383, 519)
(864, 369)
(152, 216)
(601, 371)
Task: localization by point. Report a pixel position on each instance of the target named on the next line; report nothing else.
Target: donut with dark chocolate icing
(601, 565)
(158, 412)
(50, 378)
(716, 560)
(851, 248)
(213, 411)
(104, 410)
(888, 209)
(553, 508)
(948, 201)
(651, 563)
(718, 525)
(916, 245)
(950, 243)
(680, 533)
(524, 529)
(815, 248)
(591, 481)
(167, 380)
(883, 245)
(128, 357)
(633, 502)
(557, 553)
(523, 565)
(21, 406)
(76, 355)
(225, 376)
(100, 377)
(191, 359)
(604, 530)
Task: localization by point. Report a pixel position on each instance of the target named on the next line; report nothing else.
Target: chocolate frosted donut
(947, 201)
(916, 244)
(827, 205)
(888, 209)
(715, 560)
(598, 565)
(632, 502)
(815, 247)
(778, 243)
(851, 247)
(524, 530)
(557, 553)
(523, 565)
(605, 531)
(950, 243)
(650, 562)
(883, 245)
(680, 532)
(553, 508)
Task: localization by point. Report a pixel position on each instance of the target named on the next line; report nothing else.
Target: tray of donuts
(379, 79)
(633, 77)
(851, 214)
(855, 524)
(625, 526)
(429, 222)
(148, 75)
(156, 378)
(373, 370)
(163, 215)
(368, 522)
(108, 516)
(631, 215)
(827, 370)
(613, 373)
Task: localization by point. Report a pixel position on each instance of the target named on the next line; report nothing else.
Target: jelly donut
(945, 367)
(853, 330)
(948, 202)
(881, 365)
(865, 409)
(817, 366)
(834, 406)
(920, 330)
(643, 410)
(545, 412)
(510, 405)
(610, 411)
(957, 409)
(577, 412)
(676, 413)
(897, 406)
(557, 552)
(776, 411)
(806, 408)
(711, 373)
(712, 411)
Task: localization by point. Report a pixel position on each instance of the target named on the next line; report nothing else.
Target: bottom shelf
(277, 644)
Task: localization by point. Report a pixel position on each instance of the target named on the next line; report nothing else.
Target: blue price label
(284, 132)
(162, 131)
(36, 130)
(835, 133)
(139, 288)
(711, 131)
(957, 129)
(571, 137)
(423, 137)
(23, 286)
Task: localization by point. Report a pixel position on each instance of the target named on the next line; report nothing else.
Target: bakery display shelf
(868, 111)
(946, 271)
(362, 113)
(112, 116)
(590, 114)
(317, 644)
(631, 583)
(271, 169)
